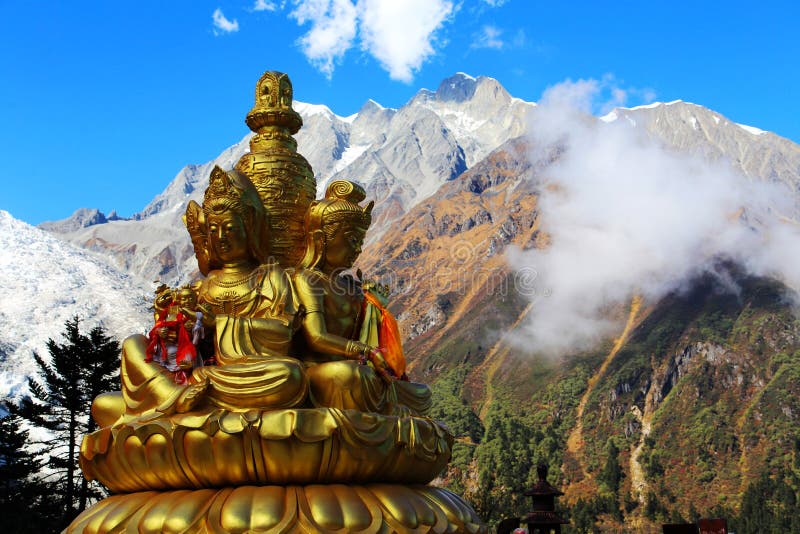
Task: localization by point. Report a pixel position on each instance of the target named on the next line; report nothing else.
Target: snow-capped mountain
(697, 130)
(401, 156)
(43, 282)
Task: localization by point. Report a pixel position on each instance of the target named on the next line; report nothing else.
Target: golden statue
(246, 297)
(300, 425)
(334, 311)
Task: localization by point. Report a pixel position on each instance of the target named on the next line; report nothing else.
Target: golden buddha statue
(334, 306)
(247, 298)
(301, 426)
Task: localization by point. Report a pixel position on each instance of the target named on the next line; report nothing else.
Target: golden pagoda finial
(272, 118)
(283, 178)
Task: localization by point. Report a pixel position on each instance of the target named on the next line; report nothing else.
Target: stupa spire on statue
(283, 177)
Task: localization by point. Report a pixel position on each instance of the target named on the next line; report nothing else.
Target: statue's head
(336, 226)
(231, 225)
(187, 297)
(164, 297)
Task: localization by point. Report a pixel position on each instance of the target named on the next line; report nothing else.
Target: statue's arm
(281, 293)
(312, 296)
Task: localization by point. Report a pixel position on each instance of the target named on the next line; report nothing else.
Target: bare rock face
(444, 257)
(82, 218)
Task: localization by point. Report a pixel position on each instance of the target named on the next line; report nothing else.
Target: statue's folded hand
(381, 367)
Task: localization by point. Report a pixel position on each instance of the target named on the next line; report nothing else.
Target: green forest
(740, 426)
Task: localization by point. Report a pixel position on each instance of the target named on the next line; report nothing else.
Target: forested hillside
(695, 409)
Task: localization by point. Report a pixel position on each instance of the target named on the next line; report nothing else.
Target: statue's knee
(136, 344)
(296, 374)
(339, 373)
(107, 408)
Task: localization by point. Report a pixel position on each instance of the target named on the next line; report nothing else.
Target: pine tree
(611, 475)
(769, 504)
(583, 517)
(22, 495)
(61, 398)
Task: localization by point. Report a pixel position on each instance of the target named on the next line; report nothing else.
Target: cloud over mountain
(628, 216)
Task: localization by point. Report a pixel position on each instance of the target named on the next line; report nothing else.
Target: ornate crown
(222, 191)
(340, 202)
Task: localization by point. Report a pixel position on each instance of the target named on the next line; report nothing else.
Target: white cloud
(495, 38)
(402, 35)
(626, 216)
(594, 96)
(333, 28)
(489, 37)
(495, 3)
(264, 5)
(222, 24)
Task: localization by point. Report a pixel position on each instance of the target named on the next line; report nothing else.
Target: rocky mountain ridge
(81, 218)
(401, 156)
(404, 156)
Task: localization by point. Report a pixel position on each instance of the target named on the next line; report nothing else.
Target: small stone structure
(543, 518)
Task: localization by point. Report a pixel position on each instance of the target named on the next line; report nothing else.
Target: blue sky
(102, 103)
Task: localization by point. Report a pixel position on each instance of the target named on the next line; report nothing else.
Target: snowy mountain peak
(458, 88)
(307, 110)
(370, 107)
(752, 129)
(615, 113)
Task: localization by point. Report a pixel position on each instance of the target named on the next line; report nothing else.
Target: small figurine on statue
(178, 330)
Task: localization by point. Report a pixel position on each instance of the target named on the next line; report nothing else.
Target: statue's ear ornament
(195, 220)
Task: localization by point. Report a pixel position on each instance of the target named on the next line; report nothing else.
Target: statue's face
(164, 298)
(227, 237)
(187, 299)
(341, 251)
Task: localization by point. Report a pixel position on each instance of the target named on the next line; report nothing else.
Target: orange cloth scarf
(389, 338)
